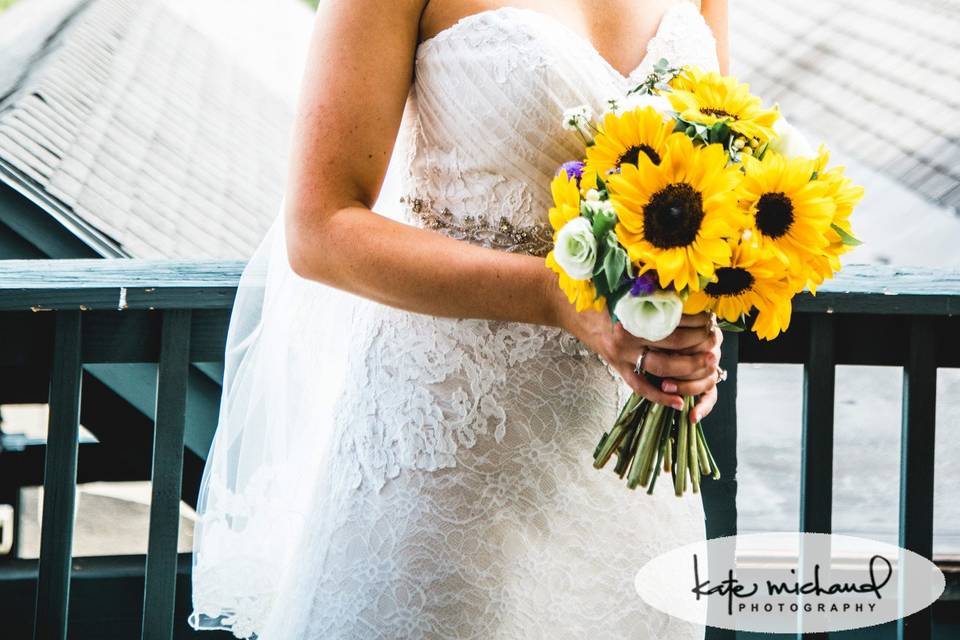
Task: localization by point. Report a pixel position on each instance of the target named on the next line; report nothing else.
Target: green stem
(662, 447)
(705, 465)
(680, 474)
(647, 434)
(713, 463)
(609, 442)
(694, 461)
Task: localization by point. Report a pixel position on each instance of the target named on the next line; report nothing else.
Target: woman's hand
(687, 360)
(699, 337)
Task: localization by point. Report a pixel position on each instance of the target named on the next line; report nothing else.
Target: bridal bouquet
(692, 196)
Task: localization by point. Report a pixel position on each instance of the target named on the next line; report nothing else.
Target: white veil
(284, 367)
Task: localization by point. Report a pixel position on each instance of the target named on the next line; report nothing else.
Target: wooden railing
(72, 313)
(64, 315)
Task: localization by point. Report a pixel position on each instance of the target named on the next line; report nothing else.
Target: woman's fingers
(692, 340)
(678, 366)
(702, 319)
(641, 385)
(689, 387)
(704, 405)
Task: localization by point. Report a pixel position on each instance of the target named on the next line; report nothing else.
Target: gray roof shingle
(137, 124)
(881, 80)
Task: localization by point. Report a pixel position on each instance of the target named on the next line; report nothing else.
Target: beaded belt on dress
(534, 239)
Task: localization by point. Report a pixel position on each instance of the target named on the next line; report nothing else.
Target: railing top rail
(42, 285)
(879, 289)
(211, 284)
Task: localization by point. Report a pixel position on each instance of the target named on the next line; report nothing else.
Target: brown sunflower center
(731, 281)
(716, 113)
(774, 214)
(672, 217)
(632, 155)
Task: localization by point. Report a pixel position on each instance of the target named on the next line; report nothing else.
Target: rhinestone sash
(536, 239)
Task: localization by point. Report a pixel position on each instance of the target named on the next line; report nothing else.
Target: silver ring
(639, 367)
(721, 374)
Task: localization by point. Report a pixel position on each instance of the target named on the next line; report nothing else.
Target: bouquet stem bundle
(649, 437)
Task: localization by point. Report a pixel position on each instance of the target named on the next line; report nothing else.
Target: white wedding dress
(446, 490)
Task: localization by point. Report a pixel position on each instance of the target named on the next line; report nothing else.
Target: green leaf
(719, 132)
(738, 326)
(602, 224)
(848, 240)
(613, 297)
(613, 264)
(600, 282)
(586, 211)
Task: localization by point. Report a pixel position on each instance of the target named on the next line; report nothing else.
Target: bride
(410, 403)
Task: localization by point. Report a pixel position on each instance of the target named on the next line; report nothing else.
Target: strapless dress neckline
(540, 19)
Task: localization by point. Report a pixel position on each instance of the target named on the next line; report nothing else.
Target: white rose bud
(599, 206)
(652, 317)
(576, 249)
(791, 142)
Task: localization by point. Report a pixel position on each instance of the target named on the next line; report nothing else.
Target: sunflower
(566, 201)
(687, 79)
(790, 212)
(845, 196)
(674, 217)
(623, 138)
(708, 98)
(754, 280)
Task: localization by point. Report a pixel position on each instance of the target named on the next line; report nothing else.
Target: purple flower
(573, 169)
(644, 285)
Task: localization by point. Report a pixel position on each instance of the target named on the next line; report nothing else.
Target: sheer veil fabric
(372, 469)
(285, 357)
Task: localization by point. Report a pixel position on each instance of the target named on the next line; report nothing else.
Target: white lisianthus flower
(576, 249)
(652, 316)
(638, 100)
(790, 142)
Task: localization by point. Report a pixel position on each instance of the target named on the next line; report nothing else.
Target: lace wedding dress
(385, 474)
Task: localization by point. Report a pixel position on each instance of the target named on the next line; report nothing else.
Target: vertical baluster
(161, 572)
(916, 459)
(720, 496)
(59, 481)
(816, 471)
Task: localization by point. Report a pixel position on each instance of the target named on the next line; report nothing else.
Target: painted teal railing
(75, 313)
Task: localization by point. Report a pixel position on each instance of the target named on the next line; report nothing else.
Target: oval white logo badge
(790, 582)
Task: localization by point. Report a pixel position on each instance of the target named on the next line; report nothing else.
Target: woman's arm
(357, 77)
(715, 12)
(358, 74)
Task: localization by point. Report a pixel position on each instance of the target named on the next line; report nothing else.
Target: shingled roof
(137, 130)
(880, 80)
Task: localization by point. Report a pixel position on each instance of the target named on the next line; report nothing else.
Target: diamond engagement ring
(639, 367)
(721, 374)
